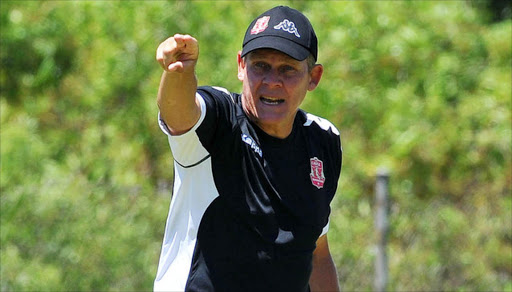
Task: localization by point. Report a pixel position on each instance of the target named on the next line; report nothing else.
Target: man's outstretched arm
(176, 100)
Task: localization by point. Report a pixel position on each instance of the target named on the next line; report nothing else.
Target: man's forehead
(267, 53)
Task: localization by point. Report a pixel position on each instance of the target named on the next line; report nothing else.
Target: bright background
(421, 87)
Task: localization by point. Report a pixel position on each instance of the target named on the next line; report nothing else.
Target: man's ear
(315, 74)
(241, 66)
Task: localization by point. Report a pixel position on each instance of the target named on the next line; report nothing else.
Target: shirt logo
(317, 172)
(260, 25)
(288, 26)
(250, 141)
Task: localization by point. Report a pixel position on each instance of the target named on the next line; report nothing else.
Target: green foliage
(422, 87)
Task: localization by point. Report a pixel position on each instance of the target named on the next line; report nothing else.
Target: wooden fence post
(381, 226)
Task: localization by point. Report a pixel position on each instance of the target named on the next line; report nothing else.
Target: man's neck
(280, 131)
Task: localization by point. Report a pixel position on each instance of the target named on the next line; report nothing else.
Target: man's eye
(261, 66)
(287, 69)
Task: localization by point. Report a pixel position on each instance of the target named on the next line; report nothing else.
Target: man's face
(274, 86)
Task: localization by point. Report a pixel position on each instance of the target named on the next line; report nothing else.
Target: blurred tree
(499, 10)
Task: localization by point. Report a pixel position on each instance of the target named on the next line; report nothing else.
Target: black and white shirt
(247, 208)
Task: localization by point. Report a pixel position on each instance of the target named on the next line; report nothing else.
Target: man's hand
(178, 53)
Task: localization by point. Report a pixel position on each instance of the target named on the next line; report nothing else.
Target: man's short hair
(311, 62)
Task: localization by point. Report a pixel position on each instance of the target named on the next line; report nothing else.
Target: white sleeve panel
(325, 229)
(186, 148)
(194, 190)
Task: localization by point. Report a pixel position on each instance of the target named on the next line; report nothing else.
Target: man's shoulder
(314, 122)
(216, 92)
(322, 136)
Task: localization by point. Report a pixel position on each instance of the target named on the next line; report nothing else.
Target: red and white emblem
(317, 172)
(260, 25)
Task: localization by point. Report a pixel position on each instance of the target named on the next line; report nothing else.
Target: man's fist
(178, 53)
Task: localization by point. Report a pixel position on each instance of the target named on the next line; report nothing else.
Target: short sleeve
(186, 148)
(325, 229)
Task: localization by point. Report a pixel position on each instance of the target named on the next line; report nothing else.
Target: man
(254, 174)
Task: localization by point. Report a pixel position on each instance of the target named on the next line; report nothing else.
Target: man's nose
(272, 79)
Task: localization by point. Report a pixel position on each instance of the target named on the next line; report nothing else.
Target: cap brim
(283, 45)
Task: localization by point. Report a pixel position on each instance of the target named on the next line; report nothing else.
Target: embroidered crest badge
(260, 25)
(317, 172)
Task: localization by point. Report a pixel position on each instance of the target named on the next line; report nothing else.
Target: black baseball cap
(284, 29)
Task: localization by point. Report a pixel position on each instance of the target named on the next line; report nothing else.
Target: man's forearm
(324, 276)
(176, 100)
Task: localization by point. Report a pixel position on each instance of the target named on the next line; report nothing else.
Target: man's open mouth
(271, 100)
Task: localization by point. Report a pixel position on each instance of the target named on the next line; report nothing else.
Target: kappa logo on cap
(260, 25)
(288, 26)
